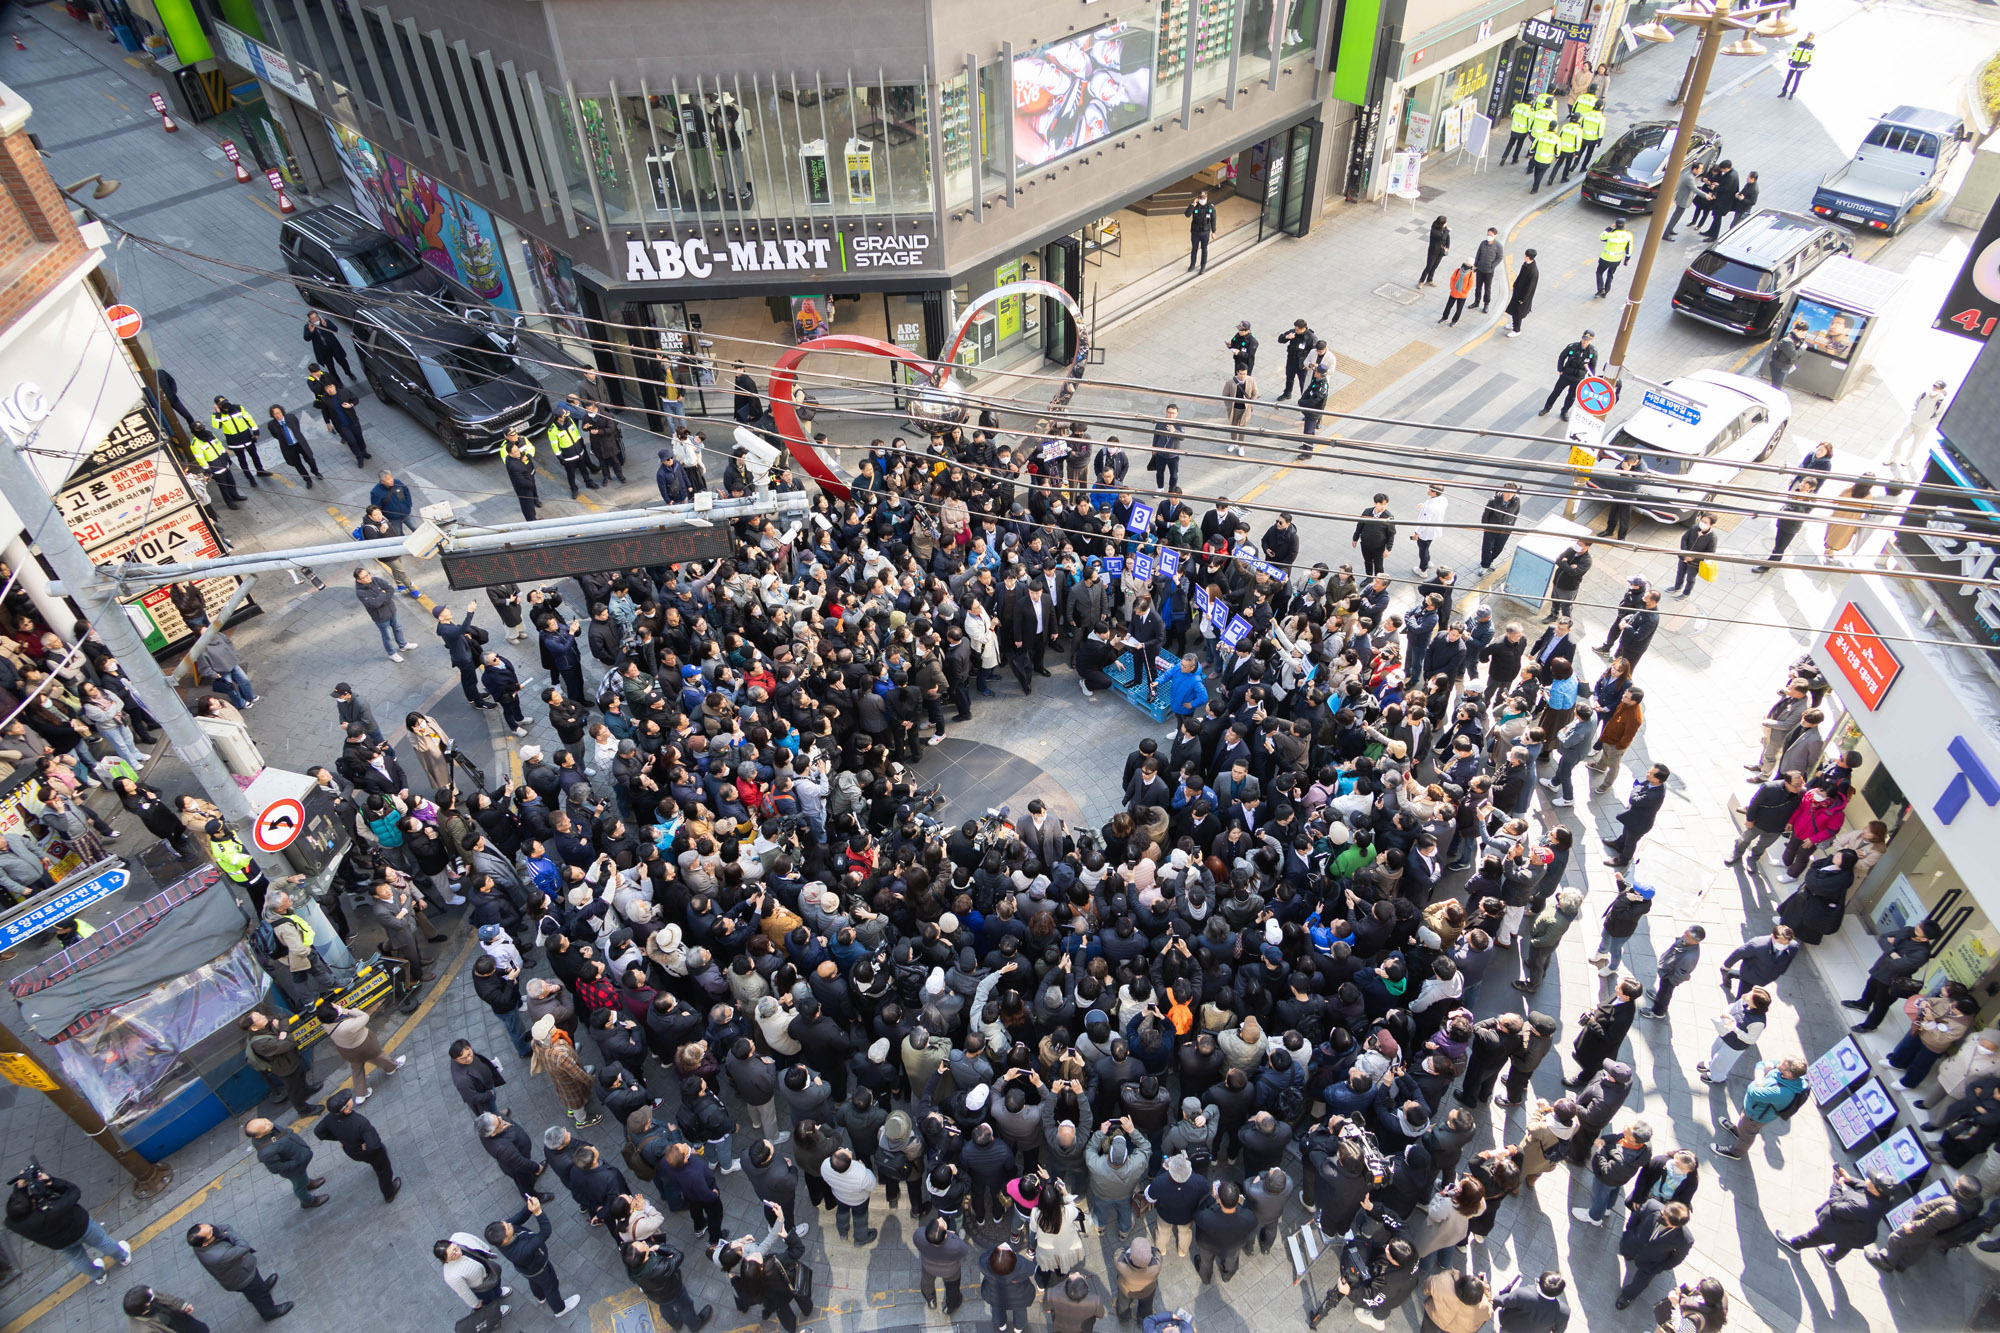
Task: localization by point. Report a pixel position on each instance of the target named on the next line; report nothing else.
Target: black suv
(452, 371)
(334, 251)
(1740, 282)
(1626, 176)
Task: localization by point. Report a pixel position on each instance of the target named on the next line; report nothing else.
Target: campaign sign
(1140, 519)
(1901, 1155)
(1200, 599)
(1114, 565)
(1218, 612)
(1239, 629)
(1835, 1072)
(1902, 1212)
(1170, 563)
(1142, 567)
(1862, 1114)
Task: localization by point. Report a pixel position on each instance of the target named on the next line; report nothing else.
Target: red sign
(124, 320)
(229, 151)
(159, 103)
(277, 181)
(279, 825)
(1596, 395)
(1862, 657)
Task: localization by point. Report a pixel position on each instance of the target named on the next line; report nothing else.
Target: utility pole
(1712, 23)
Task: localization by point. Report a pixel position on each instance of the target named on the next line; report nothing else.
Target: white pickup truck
(1902, 163)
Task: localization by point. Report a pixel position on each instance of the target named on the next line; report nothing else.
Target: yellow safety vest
(236, 423)
(1524, 117)
(230, 858)
(1617, 244)
(305, 930)
(1545, 147)
(1800, 57)
(1544, 118)
(1592, 121)
(562, 439)
(1585, 104)
(1571, 137)
(204, 451)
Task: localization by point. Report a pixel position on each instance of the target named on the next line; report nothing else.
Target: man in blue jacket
(463, 645)
(528, 1251)
(1183, 688)
(1775, 1090)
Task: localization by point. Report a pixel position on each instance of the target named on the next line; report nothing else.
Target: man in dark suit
(1032, 625)
(1636, 821)
(1656, 1239)
(528, 1251)
(357, 1138)
(1554, 643)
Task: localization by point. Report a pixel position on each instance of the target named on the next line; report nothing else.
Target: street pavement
(1709, 675)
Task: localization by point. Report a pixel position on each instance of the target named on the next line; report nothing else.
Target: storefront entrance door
(1288, 181)
(1062, 264)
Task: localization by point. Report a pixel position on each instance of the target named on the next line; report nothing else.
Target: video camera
(34, 1182)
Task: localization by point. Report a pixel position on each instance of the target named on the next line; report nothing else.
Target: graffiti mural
(555, 283)
(439, 225)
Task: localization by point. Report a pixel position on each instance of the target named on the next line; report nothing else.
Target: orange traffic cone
(167, 123)
(284, 201)
(19, 45)
(242, 174)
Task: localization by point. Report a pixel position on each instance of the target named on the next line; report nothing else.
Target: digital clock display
(536, 562)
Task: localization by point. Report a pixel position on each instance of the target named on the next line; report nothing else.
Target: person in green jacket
(1775, 1090)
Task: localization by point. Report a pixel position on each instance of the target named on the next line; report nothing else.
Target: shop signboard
(1967, 958)
(1007, 310)
(687, 256)
(860, 172)
(1420, 132)
(1861, 657)
(1404, 170)
(1951, 530)
(265, 62)
(1972, 307)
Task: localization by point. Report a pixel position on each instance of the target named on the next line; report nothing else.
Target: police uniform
(212, 458)
(1522, 123)
(236, 865)
(1796, 64)
(566, 442)
(1614, 248)
(238, 429)
(1569, 141)
(1591, 120)
(1546, 145)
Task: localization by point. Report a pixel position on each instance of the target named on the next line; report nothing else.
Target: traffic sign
(124, 319)
(279, 825)
(62, 907)
(1678, 408)
(1596, 396)
(1581, 458)
(23, 1072)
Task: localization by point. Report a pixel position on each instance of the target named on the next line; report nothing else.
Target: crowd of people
(716, 910)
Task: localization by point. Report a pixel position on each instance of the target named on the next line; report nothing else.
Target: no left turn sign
(279, 825)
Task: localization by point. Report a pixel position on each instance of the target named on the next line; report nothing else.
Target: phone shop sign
(697, 258)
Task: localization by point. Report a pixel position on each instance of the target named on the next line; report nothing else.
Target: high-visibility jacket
(1544, 117)
(230, 857)
(1570, 138)
(1617, 243)
(1801, 56)
(1461, 282)
(1545, 146)
(1587, 102)
(1524, 116)
(526, 446)
(564, 438)
(305, 928)
(205, 451)
(232, 424)
(1591, 120)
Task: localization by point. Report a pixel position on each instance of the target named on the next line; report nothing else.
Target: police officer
(1614, 247)
(1796, 64)
(1519, 128)
(1575, 362)
(230, 857)
(1545, 113)
(1547, 145)
(1591, 119)
(1569, 142)
(212, 458)
(238, 430)
(566, 442)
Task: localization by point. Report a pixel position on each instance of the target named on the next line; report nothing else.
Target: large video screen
(1070, 94)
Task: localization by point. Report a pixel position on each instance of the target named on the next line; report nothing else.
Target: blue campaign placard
(1201, 599)
(1238, 630)
(1141, 518)
(1902, 1156)
(1218, 612)
(1142, 567)
(1170, 563)
(1114, 565)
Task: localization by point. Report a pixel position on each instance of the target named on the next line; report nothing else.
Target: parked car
(1625, 177)
(333, 251)
(1740, 281)
(1735, 419)
(450, 369)
(1899, 166)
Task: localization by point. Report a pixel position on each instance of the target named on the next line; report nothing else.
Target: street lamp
(103, 189)
(1714, 22)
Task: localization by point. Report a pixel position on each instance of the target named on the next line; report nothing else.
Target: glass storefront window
(568, 159)
(1301, 26)
(996, 101)
(1214, 25)
(604, 143)
(955, 127)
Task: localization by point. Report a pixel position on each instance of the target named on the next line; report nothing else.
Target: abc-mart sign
(697, 258)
